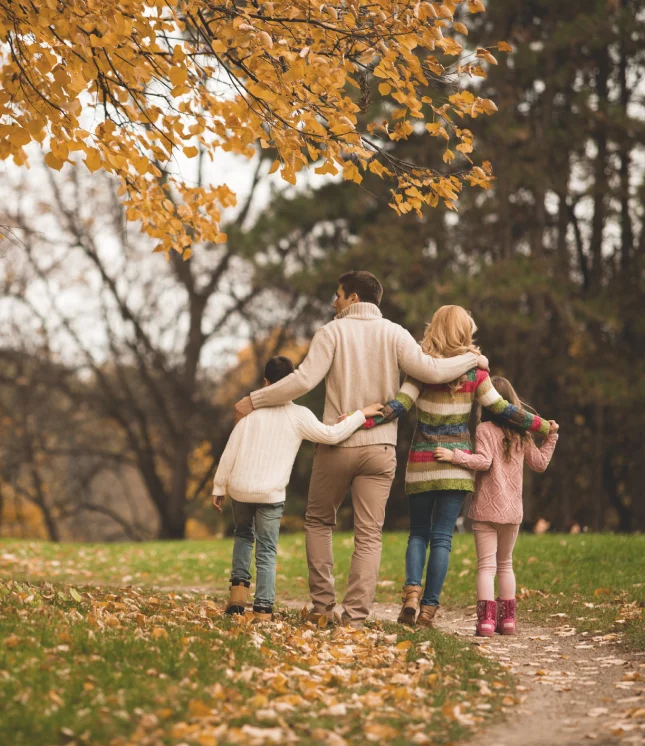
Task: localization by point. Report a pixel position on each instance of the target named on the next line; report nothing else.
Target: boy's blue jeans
(260, 523)
(432, 521)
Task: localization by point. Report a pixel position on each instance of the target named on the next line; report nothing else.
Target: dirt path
(574, 688)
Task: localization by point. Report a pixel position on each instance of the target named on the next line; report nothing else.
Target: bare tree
(131, 345)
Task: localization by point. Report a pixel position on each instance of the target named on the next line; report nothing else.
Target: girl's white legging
(494, 543)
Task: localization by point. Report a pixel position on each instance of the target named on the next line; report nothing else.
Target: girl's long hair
(450, 332)
(514, 438)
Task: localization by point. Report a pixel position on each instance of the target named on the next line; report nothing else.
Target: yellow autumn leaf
(53, 162)
(198, 708)
(380, 733)
(93, 160)
(484, 54)
(178, 75)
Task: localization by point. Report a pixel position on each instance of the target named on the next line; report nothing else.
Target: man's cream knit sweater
(360, 354)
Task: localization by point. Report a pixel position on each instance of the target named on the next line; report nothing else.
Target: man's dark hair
(364, 284)
(277, 368)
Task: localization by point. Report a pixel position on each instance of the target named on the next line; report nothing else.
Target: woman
(436, 490)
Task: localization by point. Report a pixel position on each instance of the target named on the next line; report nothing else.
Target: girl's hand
(343, 417)
(372, 411)
(554, 427)
(218, 502)
(444, 454)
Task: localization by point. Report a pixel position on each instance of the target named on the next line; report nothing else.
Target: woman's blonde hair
(450, 332)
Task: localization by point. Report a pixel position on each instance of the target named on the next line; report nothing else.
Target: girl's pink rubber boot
(506, 624)
(486, 618)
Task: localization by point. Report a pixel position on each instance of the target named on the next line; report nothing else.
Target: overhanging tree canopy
(137, 85)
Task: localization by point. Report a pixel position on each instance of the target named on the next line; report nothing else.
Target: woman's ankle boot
(411, 597)
(486, 618)
(506, 624)
(426, 616)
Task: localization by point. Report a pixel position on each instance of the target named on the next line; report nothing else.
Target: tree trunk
(174, 523)
(173, 526)
(600, 186)
(50, 524)
(598, 467)
(624, 150)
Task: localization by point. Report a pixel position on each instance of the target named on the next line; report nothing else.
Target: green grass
(90, 666)
(556, 574)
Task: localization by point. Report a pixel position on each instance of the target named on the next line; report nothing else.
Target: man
(360, 354)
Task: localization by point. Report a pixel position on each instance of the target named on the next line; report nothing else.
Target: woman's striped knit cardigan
(442, 420)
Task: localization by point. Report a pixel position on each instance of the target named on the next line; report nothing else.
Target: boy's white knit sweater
(257, 461)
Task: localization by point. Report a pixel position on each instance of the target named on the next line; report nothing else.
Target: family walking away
(361, 356)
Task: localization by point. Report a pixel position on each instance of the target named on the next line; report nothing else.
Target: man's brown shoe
(322, 619)
(411, 598)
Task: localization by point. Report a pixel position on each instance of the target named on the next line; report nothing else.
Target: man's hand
(343, 417)
(554, 427)
(444, 454)
(218, 502)
(482, 362)
(242, 408)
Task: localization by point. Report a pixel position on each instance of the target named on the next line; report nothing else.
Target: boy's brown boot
(411, 597)
(261, 614)
(238, 597)
(426, 616)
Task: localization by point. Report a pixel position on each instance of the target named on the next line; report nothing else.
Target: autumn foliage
(136, 86)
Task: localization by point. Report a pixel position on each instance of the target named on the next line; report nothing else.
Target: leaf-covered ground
(596, 580)
(86, 660)
(129, 667)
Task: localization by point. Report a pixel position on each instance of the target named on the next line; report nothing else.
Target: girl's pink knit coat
(498, 490)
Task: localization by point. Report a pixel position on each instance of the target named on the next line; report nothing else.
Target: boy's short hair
(364, 284)
(277, 368)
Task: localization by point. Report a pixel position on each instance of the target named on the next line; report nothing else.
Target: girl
(496, 508)
(436, 491)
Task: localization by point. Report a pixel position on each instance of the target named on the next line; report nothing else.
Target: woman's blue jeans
(259, 523)
(432, 521)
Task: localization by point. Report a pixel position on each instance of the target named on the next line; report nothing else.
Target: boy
(254, 471)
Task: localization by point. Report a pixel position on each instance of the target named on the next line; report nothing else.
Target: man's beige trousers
(369, 471)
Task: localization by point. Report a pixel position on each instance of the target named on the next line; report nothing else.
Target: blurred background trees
(118, 370)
